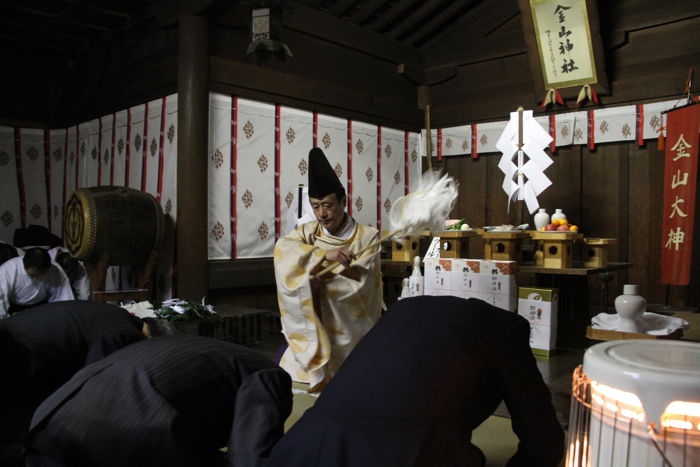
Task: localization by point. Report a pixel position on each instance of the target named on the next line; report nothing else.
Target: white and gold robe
(323, 325)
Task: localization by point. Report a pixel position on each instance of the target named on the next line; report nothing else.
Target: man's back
(429, 372)
(166, 401)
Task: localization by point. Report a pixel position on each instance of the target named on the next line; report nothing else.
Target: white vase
(541, 219)
(630, 307)
(558, 214)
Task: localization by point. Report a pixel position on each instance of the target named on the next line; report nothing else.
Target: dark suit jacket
(167, 401)
(58, 339)
(429, 372)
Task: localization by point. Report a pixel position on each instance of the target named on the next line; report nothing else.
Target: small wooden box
(555, 249)
(455, 244)
(596, 255)
(504, 246)
(405, 249)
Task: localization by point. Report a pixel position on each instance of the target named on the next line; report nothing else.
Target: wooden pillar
(192, 118)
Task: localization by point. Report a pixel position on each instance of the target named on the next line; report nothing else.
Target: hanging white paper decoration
(524, 179)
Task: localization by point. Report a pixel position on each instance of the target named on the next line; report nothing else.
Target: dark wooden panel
(319, 60)
(320, 24)
(271, 84)
(646, 171)
(239, 273)
(471, 175)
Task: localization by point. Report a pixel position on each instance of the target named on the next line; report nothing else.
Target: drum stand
(98, 274)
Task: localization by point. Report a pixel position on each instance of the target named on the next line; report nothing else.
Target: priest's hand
(340, 255)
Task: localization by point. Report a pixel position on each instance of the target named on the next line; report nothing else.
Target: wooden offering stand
(555, 249)
(455, 244)
(596, 255)
(408, 248)
(504, 246)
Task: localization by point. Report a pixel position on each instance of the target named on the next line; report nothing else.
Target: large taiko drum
(124, 223)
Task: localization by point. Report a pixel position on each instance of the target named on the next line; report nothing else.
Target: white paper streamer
(524, 180)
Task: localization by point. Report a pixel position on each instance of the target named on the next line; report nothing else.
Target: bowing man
(31, 280)
(51, 343)
(411, 393)
(171, 401)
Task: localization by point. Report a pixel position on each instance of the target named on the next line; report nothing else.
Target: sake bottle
(405, 289)
(415, 280)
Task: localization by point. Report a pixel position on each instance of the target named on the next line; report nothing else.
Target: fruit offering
(559, 225)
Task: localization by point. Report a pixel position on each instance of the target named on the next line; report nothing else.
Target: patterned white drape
(57, 161)
(571, 128)
(364, 173)
(121, 147)
(136, 144)
(415, 161)
(488, 134)
(105, 149)
(654, 119)
(393, 171)
(10, 217)
(33, 176)
(296, 139)
(220, 108)
(615, 124)
(456, 140)
(333, 139)
(255, 175)
(152, 148)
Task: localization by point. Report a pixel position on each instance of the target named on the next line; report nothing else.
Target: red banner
(680, 179)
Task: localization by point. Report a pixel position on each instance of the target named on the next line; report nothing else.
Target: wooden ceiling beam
(168, 14)
(391, 15)
(339, 8)
(44, 31)
(366, 11)
(436, 21)
(417, 16)
(317, 23)
(109, 11)
(58, 17)
(35, 43)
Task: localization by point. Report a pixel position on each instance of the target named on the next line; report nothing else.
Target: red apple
(550, 227)
(563, 228)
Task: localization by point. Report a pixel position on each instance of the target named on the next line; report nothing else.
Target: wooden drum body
(122, 224)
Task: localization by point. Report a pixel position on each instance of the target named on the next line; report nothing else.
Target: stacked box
(437, 276)
(539, 306)
(488, 280)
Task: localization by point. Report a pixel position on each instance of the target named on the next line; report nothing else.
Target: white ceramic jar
(630, 307)
(558, 214)
(541, 219)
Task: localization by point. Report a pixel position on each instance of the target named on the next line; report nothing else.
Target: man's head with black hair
(154, 327)
(70, 265)
(7, 251)
(36, 261)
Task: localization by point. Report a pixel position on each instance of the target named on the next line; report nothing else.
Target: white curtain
(219, 163)
(33, 176)
(255, 179)
(393, 170)
(296, 140)
(10, 218)
(364, 173)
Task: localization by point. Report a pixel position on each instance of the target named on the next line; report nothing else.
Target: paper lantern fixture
(266, 34)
